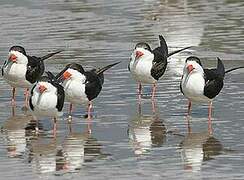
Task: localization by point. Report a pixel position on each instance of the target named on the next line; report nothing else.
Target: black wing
(93, 85)
(30, 100)
(160, 59)
(214, 80)
(35, 69)
(61, 96)
(159, 64)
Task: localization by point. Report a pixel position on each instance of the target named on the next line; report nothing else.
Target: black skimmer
(22, 70)
(147, 65)
(47, 98)
(202, 85)
(81, 86)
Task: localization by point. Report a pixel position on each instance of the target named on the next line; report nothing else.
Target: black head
(76, 67)
(143, 45)
(194, 58)
(18, 48)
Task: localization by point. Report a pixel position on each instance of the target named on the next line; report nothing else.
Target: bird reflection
(198, 147)
(43, 154)
(13, 131)
(146, 131)
(77, 149)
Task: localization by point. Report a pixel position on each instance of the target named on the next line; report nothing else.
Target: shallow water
(126, 142)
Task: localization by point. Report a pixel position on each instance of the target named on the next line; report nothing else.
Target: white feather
(14, 73)
(193, 83)
(75, 88)
(45, 103)
(141, 68)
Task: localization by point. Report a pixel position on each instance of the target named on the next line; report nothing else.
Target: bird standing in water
(22, 70)
(47, 98)
(202, 85)
(147, 65)
(81, 86)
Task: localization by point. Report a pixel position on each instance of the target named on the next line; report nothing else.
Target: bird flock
(79, 87)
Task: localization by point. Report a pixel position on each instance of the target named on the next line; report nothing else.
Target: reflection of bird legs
(54, 126)
(13, 111)
(26, 93)
(70, 112)
(188, 125)
(210, 130)
(139, 92)
(153, 106)
(13, 100)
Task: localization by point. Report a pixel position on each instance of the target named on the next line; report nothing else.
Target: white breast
(45, 104)
(141, 69)
(193, 87)
(14, 74)
(75, 92)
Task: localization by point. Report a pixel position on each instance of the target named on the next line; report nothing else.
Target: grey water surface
(126, 142)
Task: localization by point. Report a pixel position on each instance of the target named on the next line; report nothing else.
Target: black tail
(163, 45)
(220, 68)
(177, 51)
(50, 55)
(100, 71)
(233, 69)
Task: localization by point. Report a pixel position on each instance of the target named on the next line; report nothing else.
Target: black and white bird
(147, 65)
(22, 70)
(202, 85)
(81, 86)
(47, 98)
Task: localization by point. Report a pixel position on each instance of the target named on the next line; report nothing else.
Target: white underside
(14, 74)
(45, 104)
(193, 87)
(141, 70)
(75, 92)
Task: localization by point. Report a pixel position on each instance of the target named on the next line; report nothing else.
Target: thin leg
(54, 126)
(139, 91)
(70, 109)
(26, 97)
(13, 96)
(189, 108)
(89, 117)
(89, 109)
(210, 130)
(154, 90)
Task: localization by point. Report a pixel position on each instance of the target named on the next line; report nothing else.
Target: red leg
(189, 108)
(89, 109)
(210, 130)
(154, 90)
(89, 117)
(13, 96)
(26, 97)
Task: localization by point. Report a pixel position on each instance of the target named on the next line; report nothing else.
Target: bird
(47, 98)
(81, 86)
(22, 70)
(202, 85)
(147, 65)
